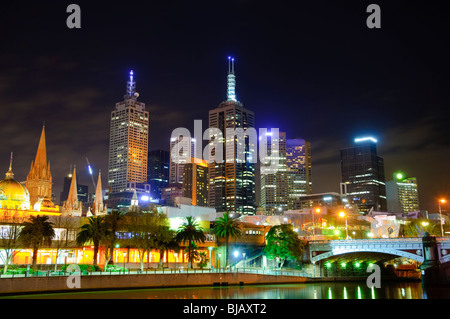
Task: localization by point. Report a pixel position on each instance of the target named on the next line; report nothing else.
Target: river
(331, 290)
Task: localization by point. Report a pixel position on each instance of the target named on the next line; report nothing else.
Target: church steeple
(98, 207)
(39, 179)
(73, 194)
(72, 206)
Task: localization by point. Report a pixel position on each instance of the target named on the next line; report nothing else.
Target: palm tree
(95, 230)
(165, 240)
(190, 232)
(114, 221)
(227, 227)
(36, 232)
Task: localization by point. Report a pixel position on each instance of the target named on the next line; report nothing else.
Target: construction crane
(90, 173)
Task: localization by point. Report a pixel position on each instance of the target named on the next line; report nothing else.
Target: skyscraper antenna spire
(231, 81)
(131, 85)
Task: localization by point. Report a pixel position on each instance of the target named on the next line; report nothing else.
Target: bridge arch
(384, 249)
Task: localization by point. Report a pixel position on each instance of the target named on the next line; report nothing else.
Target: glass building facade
(363, 175)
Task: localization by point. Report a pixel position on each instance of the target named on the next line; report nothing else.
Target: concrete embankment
(11, 286)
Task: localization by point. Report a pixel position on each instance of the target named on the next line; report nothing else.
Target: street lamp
(441, 201)
(342, 215)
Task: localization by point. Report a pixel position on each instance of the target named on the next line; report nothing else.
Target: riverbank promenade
(49, 281)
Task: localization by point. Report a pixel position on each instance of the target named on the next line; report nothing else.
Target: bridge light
(343, 265)
(357, 264)
(328, 265)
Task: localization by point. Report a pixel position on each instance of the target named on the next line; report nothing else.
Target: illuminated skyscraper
(298, 162)
(232, 181)
(281, 190)
(128, 148)
(402, 194)
(186, 152)
(274, 186)
(158, 172)
(363, 175)
(195, 182)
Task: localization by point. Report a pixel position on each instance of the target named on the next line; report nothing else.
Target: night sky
(310, 68)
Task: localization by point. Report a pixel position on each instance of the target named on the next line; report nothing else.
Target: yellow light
(317, 210)
(342, 214)
(443, 200)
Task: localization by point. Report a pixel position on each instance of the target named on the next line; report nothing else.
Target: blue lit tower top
(131, 87)
(231, 81)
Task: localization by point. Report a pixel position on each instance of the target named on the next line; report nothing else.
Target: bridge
(377, 248)
(432, 252)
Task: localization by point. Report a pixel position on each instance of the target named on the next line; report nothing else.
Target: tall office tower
(232, 181)
(195, 182)
(39, 179)
(363, 175)
(128, 148)
(158, 172)
(298, 162)
(402, 194)
(184, 151)
(274, 184)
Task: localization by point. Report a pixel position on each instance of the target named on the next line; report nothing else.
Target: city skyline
(393, 90)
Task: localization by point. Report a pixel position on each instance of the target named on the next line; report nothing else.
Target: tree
(165, 240)
(114, 222)
(144, 230)
(95, 231)
(190, 232)
(64, 228)
(9, 241)
(282, 242)
(418, 227)
(227, 227)
(203, 256)
(37, 232)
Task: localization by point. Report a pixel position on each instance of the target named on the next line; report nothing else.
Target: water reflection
(335, 290)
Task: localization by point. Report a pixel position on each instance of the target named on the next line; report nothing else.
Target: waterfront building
(232, 181)
(363, 175)
(330, 199)
(402, 194)
(128, 148)
(158, 172)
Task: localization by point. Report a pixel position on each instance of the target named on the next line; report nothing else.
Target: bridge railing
(370, 240)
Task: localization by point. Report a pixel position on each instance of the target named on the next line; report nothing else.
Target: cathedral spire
(231, 81)
(98, 200)
(73, 195)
